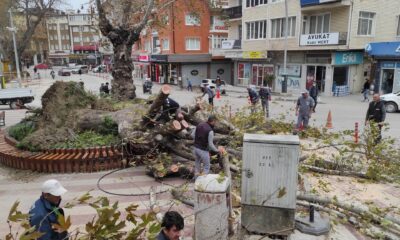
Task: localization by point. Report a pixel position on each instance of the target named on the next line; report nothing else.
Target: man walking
(189, 85)
(376, 114)
(253, 98)
(314, 94)
(210, 93)
(172, 225)
(365, 90)
(203, 137)
(304, 109)
(265, 95)
(44, 213)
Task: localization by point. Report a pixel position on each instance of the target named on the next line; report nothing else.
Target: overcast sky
(74, 4)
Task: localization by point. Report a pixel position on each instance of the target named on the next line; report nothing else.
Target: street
(346, 111)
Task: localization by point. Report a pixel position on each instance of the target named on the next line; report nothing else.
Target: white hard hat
(53, 187)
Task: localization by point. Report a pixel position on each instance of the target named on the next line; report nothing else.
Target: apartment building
(326, 43)
(73, 38)
(186, 45)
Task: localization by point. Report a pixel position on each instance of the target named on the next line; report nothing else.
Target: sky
(74, 4)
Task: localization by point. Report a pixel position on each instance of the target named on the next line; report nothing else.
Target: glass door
(387, 81)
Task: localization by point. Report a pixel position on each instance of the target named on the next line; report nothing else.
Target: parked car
(64, 72)
(99, 69)
(42, 66)
(211, 82)
(83, 68)
(392, 102)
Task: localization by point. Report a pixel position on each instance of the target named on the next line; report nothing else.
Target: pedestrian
(304, 109)
(253, 98)
(45, 211)
(101, 90)
(218, 83)
(172, 224)
(35, 70)
(365, 90)
(314, 94)
(53, 74)
(203, 137)
(210, 93)
(265, 95)
(106, 88)
(189, 85)
(376, 115)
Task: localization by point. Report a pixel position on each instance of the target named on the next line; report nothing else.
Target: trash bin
(211, 207)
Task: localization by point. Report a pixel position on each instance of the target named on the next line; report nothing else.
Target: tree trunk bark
(122, 83)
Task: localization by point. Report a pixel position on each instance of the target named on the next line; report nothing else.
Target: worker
(172, 225)
(46, 210)
(170, 110)
(253, 97)
(304, 108)
(210, 93)
(203, 137)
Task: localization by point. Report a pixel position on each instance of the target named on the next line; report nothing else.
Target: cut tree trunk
(156, 105)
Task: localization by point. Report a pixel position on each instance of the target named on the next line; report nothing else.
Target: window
(77, 39)
(71, 18)
(165, 44)
(365, 23)
(216, 41)
(398, 26)
(55, 37)
(191, 20)
(56, 47)
(256, 30)
(147, 46)
(165, 19)
(253, 3)
(75, 29)
(278, 27)
(316, 24)
(192, 43)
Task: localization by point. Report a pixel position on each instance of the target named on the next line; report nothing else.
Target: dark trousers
(211, 101)
(315, 102)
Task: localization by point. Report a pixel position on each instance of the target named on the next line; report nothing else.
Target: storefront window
(244, 74)
(387, 81)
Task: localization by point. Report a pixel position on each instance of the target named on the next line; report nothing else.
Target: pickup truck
(16, 97)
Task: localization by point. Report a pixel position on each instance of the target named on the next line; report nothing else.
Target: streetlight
(284, 83)
(14, 30)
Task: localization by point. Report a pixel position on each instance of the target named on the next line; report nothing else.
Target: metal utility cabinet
(269, 183)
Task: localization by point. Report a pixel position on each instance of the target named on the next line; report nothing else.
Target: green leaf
(282, 192)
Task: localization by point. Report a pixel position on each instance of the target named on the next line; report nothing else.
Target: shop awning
(85, 48)
(383, 49)
(189, 58)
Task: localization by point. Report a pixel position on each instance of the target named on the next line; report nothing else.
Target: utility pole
(284, 83)
(14, 30)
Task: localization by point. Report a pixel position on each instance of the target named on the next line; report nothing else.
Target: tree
(123, 33)
(33, 12)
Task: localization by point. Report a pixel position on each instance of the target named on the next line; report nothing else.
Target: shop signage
(143, 58)
(348, 58)
(305, 3)
(388, 65)
(319, 39)
(221, 28)
(194, 72)
(158, 58)
(228, 44)
(253, 55)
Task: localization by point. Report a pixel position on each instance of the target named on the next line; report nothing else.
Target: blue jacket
(42, 217)
(253, 96)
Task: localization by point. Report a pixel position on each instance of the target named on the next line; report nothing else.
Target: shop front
(345, 72)
(193, 67)
(253, 69)
(159, 68)
(386, 56)
(141, 66)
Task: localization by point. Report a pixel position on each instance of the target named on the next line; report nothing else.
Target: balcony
(323, 39)
(232, 44)
(216, 4)
(234, 12)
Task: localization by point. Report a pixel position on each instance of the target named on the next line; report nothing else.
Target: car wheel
(391, 107)
(13, 105)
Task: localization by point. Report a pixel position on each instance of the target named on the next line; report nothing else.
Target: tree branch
(104, 24)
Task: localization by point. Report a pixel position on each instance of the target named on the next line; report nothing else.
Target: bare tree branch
(146, 16)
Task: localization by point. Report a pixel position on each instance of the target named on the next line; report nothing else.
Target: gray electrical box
(269, 183)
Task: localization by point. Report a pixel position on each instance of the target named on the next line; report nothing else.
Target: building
(73, 38)
(326, 42)
(186, 45)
